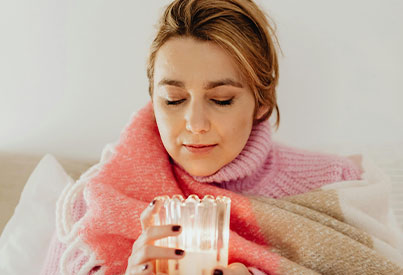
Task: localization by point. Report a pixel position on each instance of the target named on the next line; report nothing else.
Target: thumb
(239, 268)
(232, 269)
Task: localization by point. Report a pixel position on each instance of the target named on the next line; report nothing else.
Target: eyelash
(218, 102)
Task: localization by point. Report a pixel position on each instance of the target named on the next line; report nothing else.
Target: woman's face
(200, 99)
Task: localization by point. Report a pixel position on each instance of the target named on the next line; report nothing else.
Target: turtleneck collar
(248, 162)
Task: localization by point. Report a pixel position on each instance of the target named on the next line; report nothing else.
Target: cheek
(242, 123)
(235, 128)
(168, 127)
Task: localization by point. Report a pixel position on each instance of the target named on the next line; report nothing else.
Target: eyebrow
(207, 86)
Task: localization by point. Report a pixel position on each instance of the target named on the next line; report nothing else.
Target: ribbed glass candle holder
(204, 236)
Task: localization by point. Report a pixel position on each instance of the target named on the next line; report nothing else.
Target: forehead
(188, 59)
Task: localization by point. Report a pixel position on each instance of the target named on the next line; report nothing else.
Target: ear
(261, 111)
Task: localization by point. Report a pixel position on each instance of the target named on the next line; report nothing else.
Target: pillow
(388, 157)
(26, 237)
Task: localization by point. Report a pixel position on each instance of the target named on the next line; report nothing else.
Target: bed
(31, 184)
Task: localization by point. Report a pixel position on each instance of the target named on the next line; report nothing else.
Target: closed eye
(176, 102)
(223, 102)
(218, 102)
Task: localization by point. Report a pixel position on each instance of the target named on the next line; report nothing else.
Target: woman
(213, 72)
(210, 82)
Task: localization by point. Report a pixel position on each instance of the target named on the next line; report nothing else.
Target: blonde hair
(241, 28)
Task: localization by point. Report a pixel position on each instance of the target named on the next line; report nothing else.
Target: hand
(144, 253)
(232, 269)
(357, 159)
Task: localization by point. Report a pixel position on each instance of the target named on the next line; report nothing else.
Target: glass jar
(204, 236)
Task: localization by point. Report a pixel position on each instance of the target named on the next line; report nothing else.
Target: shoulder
(314, 169)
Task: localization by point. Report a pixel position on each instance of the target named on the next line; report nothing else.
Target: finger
(239, 268)
(232, 269)
(142, 269)
(146, 217)
(154, 233)
(151, 252)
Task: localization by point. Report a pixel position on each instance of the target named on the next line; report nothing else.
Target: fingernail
(145, 267)
(217, 272)
(179, 252)
(176, 228)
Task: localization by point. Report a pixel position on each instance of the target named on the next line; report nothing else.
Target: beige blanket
(343, 228)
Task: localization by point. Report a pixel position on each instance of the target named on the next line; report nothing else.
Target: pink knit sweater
(262, 168)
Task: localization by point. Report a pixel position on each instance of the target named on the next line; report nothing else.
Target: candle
(204, 236)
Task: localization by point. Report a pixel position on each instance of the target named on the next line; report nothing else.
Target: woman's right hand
(144, 253)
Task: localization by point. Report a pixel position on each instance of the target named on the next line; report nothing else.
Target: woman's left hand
(232, 269)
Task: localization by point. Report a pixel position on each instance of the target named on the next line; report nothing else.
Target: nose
(197, 120)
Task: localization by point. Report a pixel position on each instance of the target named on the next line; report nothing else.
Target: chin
(201, 173)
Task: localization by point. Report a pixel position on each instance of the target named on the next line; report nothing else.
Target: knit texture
(271, 169)
(262, 168)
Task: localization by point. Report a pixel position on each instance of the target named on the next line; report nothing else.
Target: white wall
(72, 72)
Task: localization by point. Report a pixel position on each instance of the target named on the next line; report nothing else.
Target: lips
(199, 145)
(199, 148)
